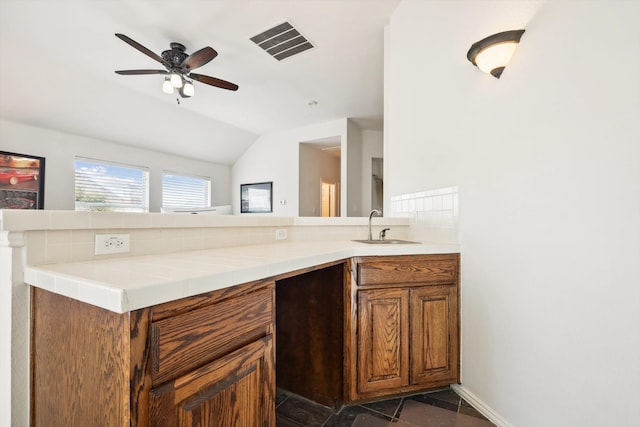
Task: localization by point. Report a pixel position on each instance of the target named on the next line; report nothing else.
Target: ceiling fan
(178, 66)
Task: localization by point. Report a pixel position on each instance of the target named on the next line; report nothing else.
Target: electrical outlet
(281, 234)
(112, 244)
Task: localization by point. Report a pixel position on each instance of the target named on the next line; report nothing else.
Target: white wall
(60, 150)
(316, 166)
(548, 163)
(372, 147)
(274, 157)
(352, 169)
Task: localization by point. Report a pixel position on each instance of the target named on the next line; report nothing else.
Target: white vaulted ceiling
(57, 63)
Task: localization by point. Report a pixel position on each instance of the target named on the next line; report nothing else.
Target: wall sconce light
(492, 53)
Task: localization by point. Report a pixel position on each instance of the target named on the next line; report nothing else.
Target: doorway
(319, 178)
(330, 203)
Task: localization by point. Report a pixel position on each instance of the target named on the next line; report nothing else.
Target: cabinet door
(235, 390)
(383, 338)
(434, 335)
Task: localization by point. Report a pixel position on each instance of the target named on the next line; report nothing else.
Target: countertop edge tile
(78, 280)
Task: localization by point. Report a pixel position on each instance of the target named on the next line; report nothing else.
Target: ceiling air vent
(282, 41)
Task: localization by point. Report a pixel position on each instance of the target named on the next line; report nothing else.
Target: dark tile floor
(441, 408)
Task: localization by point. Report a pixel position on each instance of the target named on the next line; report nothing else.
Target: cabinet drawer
(184, 342)
(237, 389)
(424, 269)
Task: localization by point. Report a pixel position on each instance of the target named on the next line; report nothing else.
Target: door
(330, 197)
(434, 335)
(236, 390)
(383, 339)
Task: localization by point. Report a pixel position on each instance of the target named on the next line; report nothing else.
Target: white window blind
(105, 186)
(184, 191)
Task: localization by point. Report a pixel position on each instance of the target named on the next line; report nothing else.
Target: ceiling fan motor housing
(176, 55)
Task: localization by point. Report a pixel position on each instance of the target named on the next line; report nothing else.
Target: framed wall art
(256, 198)
(21, 181)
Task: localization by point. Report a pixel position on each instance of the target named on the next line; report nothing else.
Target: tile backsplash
(434, 213)
(51, 246)
(54, 237)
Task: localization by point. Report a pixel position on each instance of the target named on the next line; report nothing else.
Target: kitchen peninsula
(169, 337)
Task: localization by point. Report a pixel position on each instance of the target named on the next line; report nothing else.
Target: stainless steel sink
(385, 242)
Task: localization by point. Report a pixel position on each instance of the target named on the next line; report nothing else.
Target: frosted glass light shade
(167, 87)
(188, 89)
(176, 80)
(493, 53)
(497, 55)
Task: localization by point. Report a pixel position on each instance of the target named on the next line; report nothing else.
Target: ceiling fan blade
(199, 58)
(138, 72)
(213, 81)
(141, 48)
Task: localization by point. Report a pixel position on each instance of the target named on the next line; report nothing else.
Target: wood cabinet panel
(180, 343)
(234, 390)
(75, 346)
(93, 367)
(434, 343)
(139, 369)
(407, 270)
(177, 307)
(383, 325)
(405, 336)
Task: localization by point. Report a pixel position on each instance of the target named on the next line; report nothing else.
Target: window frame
(187, 176)
(114, 184)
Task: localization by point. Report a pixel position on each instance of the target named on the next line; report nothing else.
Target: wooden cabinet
(383, 337)
(348, 330)
(404, 324)
(434, 335)
(234, 390)
(206, 360)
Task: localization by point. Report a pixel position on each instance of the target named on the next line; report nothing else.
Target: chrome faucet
(383, 233)
(371, 214)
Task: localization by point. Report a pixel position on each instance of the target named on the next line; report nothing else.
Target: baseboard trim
(480, 406)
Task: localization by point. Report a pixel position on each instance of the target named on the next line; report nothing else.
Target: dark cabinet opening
(310, 335)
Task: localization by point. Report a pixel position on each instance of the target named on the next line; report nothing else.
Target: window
(183, 191)
(105, 186)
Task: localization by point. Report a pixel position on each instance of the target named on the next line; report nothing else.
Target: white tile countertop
(130, 283)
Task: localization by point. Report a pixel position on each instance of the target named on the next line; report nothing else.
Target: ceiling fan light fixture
(188, 89)
(167, 87)
(176, 80)
(179, 66)
(493, 53)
